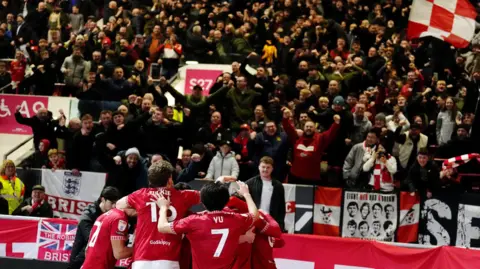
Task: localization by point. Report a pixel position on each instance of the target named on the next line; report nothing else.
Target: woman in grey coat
(224, 163)
(447, 120)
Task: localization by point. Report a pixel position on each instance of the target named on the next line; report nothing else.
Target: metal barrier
(5, 156)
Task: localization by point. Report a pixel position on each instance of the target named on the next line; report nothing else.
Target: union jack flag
(57, 236)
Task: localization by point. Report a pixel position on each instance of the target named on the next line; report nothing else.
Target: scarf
(214, 127)
(460, 160)
(381, 174)
(243, 141)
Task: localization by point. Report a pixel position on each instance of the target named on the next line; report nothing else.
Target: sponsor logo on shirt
(159, 242)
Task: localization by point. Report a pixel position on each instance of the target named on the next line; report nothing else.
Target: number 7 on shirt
(221, 244)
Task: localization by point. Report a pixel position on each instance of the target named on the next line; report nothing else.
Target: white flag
(69, 194)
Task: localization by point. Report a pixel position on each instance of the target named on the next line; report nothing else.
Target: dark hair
(386, 224)
(376, 131)
(117, 113)
(106, 112)
(110, 193)
(180, 186)
(159, 173)
(423, 151)
(388, 206)
(352, 203)
(362, 223)
(352, 223)
(377, 204)
(198, 149)
(214, 196)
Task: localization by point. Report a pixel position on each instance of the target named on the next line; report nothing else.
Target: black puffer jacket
(85, 224)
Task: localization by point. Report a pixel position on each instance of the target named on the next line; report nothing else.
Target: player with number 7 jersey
(151, 249)
(214, 235)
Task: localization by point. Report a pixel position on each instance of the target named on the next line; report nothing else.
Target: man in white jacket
(382, 167)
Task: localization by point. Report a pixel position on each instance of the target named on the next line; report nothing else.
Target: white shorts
(160, 264)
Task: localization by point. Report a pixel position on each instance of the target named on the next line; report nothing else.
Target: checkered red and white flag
(452, 21)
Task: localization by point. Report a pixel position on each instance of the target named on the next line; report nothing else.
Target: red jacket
(17, 69)
(307, 151)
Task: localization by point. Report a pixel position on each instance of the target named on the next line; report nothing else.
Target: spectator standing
(12, 188)
(353, 166)
(382, 167)
(410, 143)
(423, 176)
(224, 163)
(307, 149)
(361, 124)
(105, 202)
(270, 143)
(42, 124)
(76, 20)
(35, 206)
(447, 119)
(267, 192)
(82, 146)
(76, 71)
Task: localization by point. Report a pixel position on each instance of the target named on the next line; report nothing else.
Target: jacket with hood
(360, 129)
(85, 224)
(78, 70)
(223, 165)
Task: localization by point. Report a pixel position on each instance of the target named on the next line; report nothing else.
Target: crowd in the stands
(339, 97)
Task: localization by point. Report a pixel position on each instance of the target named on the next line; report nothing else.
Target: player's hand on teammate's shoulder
(160, 200)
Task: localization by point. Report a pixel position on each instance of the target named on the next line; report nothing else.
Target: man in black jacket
(105, 202)
(424, 175)
(35, 206)
(267, 192)
(42, 124)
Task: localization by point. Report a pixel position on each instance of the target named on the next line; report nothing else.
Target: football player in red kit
(268, 235)
(151, 249)
(107, 242)
(215, 233)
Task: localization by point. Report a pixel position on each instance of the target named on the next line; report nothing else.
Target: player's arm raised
(252, 208)
(163, 225)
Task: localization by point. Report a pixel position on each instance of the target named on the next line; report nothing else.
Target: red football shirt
(112, 225)
(149, 244)
(268, 236)
(214, 237)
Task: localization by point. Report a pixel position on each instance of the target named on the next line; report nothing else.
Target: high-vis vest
(12, 191)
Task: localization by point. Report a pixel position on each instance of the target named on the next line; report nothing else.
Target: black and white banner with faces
(370, 215)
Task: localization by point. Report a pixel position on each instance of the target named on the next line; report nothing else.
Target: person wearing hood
(42, 124)
(41, 154)
(361, 124)
(224, 163)
(127, 170)
(105, 202)
(76, 70)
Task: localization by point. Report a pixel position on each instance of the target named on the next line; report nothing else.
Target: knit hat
(132, 151)
(463, 126)
(338, 100)
(416, 126)
(381, 116)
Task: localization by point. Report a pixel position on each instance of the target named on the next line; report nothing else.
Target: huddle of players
(231, 233)
(358, 221)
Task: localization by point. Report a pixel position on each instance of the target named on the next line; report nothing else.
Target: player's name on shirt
(162, 191)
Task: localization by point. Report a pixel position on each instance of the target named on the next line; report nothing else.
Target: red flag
(452, 21)
(327, 211)
(407, 231)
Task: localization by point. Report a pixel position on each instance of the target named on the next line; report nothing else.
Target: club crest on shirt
(122, 225)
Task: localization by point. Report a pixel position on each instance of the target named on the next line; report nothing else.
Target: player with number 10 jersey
(151, 249)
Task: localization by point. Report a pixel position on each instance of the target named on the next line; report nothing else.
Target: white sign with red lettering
(69, 193)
